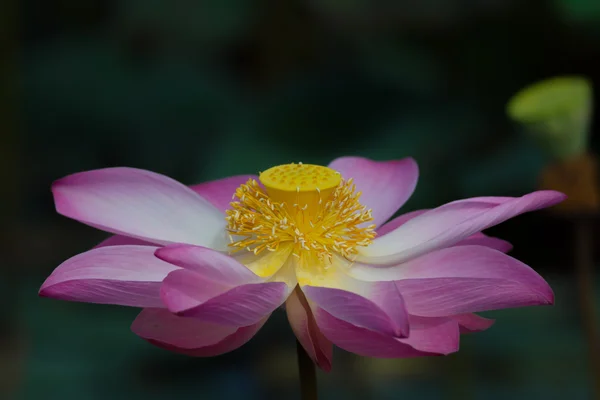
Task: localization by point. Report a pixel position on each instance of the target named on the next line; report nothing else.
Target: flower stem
(308, 374)
(585, 275)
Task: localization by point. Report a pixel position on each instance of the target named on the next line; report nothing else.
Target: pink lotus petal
(191, 336)
(184, 289)
(472, 322)
(398, 221)
(118, 240)
(217, 192)
(140, 204)
(220, 191)
(435, 335)
(189, 294)
(123, 275)
(385, 185)
(317, 346)
(186, 333)
(478, 238)
(428, 337)
(377, 306)
(486, 241)
(449, 224)
(462, 279)
(210, 264)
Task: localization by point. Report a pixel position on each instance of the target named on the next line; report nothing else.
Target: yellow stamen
(307, 206)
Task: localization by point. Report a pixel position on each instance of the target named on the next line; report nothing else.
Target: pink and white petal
(439, 337)
(140, 204)
(122, 275)
(190, 336)
(187, 333)
(118, 240)
(385, 185)
(462, 279)
(220, 191)
(478, 238)
(377, 306)
(449, 224)
(189, 294)
(317, 346)
(470, 323)
(398, 221)
(210, 264)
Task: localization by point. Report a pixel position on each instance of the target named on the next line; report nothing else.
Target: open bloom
(208, 271)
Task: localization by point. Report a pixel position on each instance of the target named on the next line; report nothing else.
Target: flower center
(308, 207)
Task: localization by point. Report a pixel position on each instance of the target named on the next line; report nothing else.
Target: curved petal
(478, 238)
(428, 337)
(211, 264)
(470, 323)
(140, 204)
(435, 335)
(462, 279)
(317, 346)
(216, 288)
(217, 192)
(398, 221)
(189, 294)
(220, 191)
(385, 185)
(191, 336)
(377, 306)
(118, 240)
(123, 275)
(449, 224)
(186, 333)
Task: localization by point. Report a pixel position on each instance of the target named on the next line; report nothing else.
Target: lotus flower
(208, 271)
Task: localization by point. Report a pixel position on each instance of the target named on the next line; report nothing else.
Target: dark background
(203, 89)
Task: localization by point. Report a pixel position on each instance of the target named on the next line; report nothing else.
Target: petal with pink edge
(220, 191)
(462, 279)
(189, 294)
(123, 275)
(217, 288)
(470, 323)
(398, 221)
(428, 337)
(140, 204)
(210, 264)
(478, 238)
(377, 306)
(118, 240)
(186, 333)
(317, 346)
(449, 224)
(385, 185)
(191, 336)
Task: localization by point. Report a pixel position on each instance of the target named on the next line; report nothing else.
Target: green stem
(308, 374)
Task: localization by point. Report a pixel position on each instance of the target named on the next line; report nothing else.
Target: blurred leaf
(582, 11)
(198, 22)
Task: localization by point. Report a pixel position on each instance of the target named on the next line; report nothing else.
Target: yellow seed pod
(300, 185)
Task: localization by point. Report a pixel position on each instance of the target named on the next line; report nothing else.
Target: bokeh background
(203, 89)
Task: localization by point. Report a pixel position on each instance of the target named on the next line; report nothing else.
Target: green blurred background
(203, 89)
